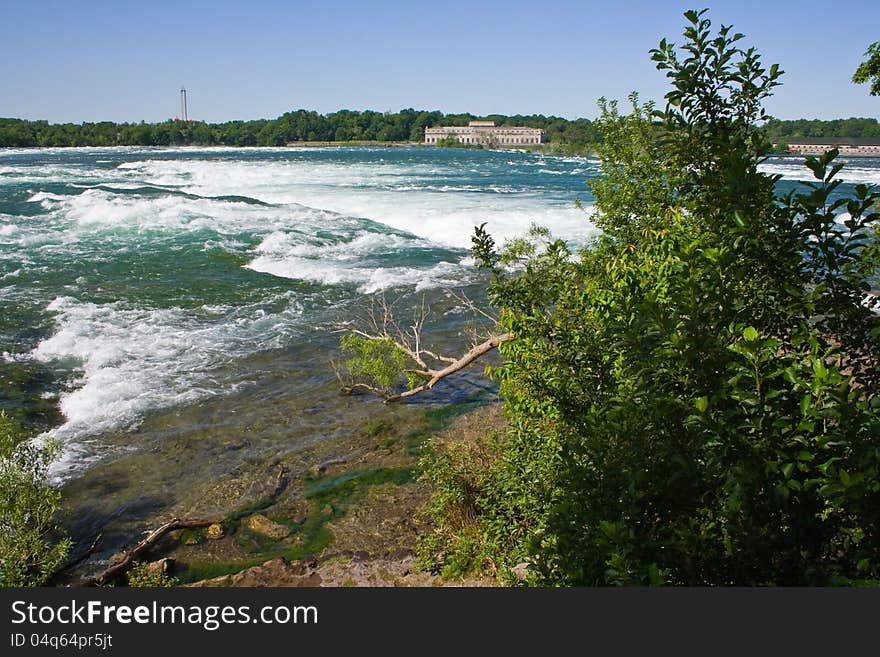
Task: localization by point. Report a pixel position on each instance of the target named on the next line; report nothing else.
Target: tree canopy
(869, 70)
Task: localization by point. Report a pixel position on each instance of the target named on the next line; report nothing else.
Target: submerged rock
(260, 524)
(160, 567)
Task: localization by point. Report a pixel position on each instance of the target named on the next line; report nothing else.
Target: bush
(456, 465)
(28, 553)
(692, 399)
(150, 575)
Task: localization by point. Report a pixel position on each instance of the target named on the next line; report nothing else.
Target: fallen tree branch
(378, 370)
(128, 556)
(475, 352)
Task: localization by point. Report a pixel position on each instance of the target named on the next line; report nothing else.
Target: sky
(81, 60)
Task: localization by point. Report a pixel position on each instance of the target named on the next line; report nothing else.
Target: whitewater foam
(394, 195)
(368, 280)
(360, 220)
(104, 210)
(126, 361)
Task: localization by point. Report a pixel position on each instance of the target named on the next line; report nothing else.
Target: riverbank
(342, 513)
(174, 326)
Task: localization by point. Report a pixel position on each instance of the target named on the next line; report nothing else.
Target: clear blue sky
(126, 61)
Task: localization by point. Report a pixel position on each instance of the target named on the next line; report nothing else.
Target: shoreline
(342, 512)
(560, 150)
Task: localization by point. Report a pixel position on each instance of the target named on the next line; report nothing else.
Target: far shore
(545, 149)
(389, 144)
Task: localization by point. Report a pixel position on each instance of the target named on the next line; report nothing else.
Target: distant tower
(183, 104)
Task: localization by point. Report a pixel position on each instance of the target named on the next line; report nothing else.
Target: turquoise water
(152, 295)
(139, 283)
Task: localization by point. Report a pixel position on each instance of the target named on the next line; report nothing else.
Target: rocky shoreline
(344, 513)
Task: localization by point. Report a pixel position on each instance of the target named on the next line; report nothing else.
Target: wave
(390, 194)
(286, 192)
(103, 209)
(368, 280)
(365, 258)
(58, 174)
(128, 361)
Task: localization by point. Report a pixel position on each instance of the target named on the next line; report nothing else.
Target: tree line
(786, 131)
(296, 126)
(349, 125)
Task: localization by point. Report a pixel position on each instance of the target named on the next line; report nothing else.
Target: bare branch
(442, 359)
(379, 323)
(472, 355)
(468, 303)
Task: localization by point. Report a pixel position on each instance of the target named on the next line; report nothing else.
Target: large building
(852, 146)
(486, 133)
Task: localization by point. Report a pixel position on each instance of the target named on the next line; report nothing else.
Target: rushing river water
(156, 297)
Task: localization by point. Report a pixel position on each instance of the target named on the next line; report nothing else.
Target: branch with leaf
(869, 70)
(380, 351)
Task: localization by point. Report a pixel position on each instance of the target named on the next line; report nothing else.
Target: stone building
(486, 133)
(851, 146)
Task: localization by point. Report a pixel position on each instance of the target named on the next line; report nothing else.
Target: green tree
(693, 398)
(28, 553)
(869, 70)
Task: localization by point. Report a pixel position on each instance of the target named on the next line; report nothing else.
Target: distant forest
(786, 131)
(347, 125)
(300, 125)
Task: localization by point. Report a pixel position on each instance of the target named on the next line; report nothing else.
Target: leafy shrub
(456, 465)
(378, 362)
(146, 575)
(28, 554)
(693, 398)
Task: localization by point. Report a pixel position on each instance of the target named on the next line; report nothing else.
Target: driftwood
(127, 560)
(128, 556)
(379, 323)
(475, 352)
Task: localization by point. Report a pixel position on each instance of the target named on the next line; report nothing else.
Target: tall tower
(183, 104)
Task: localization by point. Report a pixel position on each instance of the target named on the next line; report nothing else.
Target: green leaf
(750, 334)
